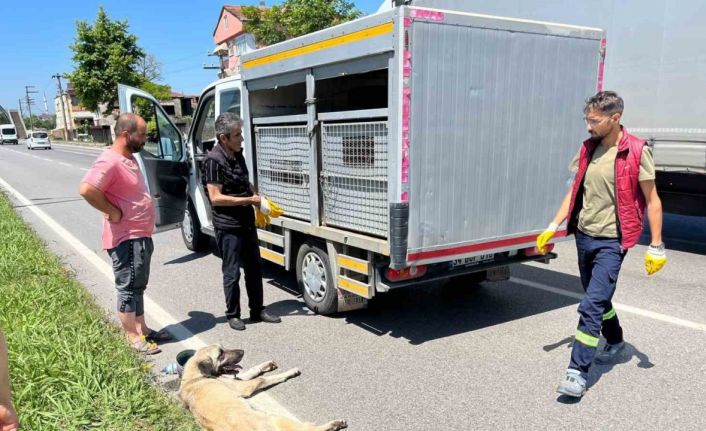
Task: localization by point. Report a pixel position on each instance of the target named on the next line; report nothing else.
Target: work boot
(573, 385)
(236, 323)
(264, 316)
(609, 353)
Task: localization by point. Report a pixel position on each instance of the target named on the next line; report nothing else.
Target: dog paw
(294, 372)
(269, 366)
(338, 425)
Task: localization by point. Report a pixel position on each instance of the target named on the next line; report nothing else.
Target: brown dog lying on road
(218, 403)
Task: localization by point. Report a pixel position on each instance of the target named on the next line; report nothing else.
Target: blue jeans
(599, 264)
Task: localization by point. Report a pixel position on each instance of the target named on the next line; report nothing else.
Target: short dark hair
(607, 102)
(127, 122)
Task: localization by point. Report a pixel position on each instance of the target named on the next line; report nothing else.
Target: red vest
(629, 196)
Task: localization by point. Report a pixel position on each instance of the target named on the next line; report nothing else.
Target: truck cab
(172, 161)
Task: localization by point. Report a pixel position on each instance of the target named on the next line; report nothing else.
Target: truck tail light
(406, 273)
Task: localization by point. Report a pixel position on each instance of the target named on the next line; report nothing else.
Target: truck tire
(315, 279)
(194, 239)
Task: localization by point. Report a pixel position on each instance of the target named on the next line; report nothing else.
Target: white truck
(411, 145)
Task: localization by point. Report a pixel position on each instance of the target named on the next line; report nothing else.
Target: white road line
(66, 147)
(620, 307)
(161, 316)
(80, 153)
(49, 160)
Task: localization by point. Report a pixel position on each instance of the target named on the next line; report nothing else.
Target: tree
(159, 91)
(296, 18)
(43, 122)
(150, 68)
(105, 54)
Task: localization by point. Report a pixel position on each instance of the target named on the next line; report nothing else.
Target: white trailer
(656, 60)
(408, 146)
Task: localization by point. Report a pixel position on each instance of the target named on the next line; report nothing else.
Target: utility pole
(20, 102)
(63, 109)
(46, 106)
(30, 101)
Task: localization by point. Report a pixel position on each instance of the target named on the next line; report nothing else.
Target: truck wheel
(194, 239)
(315, 279)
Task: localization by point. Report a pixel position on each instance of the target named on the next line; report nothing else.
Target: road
(439, 357)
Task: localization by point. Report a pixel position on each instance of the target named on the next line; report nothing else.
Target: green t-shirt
(598, 215)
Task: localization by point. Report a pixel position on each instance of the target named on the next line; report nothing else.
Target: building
(231, 40)
(77, 117)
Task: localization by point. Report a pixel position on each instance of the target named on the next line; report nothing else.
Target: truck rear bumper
(444, 271)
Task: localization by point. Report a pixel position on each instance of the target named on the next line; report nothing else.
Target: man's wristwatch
(659, 247)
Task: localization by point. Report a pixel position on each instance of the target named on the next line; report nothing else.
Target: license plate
(466, 261)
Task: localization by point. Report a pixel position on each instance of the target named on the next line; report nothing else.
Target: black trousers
(240, 249)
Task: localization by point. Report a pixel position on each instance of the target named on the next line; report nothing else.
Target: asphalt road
(441, 357)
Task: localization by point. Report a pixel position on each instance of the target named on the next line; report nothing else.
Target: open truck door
(163, 160)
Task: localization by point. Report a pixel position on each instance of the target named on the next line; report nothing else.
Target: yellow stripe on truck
(271, 256)
(353, 264)
(367, 33)
(353, 286)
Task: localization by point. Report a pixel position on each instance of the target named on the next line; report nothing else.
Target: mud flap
(348, 301)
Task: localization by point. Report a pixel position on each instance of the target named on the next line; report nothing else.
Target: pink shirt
(120, 179)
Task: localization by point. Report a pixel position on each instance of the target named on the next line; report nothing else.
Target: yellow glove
(261, 220)
(270, 208)
(655, 258)
(545, 236)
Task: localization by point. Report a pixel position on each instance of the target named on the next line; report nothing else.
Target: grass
(70, 366)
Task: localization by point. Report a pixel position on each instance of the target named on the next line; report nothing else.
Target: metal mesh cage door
(354, 176)
(283, 167)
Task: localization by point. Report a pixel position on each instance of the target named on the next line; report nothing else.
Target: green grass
(70, 367)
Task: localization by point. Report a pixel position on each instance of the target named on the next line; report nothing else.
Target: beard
(596, 139)
(134, 145)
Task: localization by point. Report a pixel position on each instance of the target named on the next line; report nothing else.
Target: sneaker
(609, 353)
(264, 316)
(573, 385)
(236, 324)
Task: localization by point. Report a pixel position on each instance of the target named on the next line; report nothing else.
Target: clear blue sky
(35, 38)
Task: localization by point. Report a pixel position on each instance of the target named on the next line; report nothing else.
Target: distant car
(38, 140)
(84, 137)
(8, 134)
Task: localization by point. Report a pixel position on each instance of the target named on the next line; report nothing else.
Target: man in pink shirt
(115, 186)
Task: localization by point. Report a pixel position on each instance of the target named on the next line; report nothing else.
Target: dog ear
(207, 368)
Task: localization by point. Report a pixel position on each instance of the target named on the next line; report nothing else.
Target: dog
(218, 401)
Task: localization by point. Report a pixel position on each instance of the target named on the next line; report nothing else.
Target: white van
(8, 134)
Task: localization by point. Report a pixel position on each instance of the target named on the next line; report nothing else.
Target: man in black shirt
(232, 197)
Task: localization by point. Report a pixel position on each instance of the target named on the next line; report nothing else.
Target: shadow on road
(434, 311)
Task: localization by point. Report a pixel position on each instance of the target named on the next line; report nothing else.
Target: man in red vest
(604, 209)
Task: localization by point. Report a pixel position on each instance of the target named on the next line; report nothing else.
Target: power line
(30, 102)
(63, 108)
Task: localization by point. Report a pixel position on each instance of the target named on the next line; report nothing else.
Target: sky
(35, 37)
